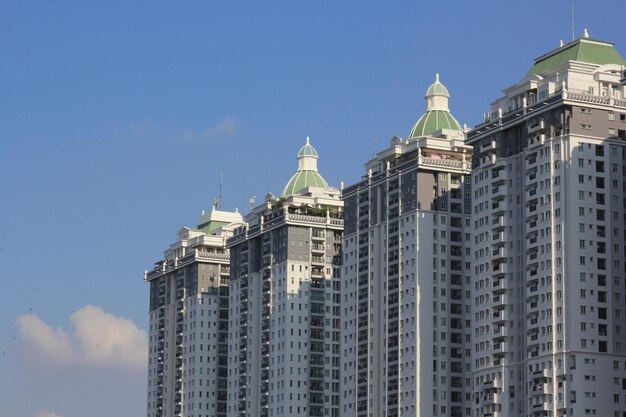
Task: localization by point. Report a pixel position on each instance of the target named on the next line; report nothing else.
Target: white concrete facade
(284, 305)
(406, 279)
(549, 249)
(189, 322)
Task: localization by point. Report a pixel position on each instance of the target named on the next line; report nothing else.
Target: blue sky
(116, 117)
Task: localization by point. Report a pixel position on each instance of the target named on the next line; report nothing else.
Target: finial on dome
(585, 33)
(561, 43)
(437, 77)
(307, 140)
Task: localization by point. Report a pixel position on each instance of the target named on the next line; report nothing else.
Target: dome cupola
(307, 175)
(437, 115)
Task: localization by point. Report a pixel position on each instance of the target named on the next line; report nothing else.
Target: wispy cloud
(222, 129)
(99, 339)
(142, 128)
(42, 413)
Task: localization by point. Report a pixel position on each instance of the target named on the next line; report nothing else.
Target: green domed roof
(437, 115)
(437, 89)
(302, 180)
(432, 121)
(307, 150)
(307, 175)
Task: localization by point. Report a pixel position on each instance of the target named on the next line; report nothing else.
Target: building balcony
(500, 316)
(540, 388)
(532, 221)
(536, 126)
(490, 398)
(487, 160)
(488, 146)
(531, 208)
(442, 164)
(500, 332)
(500, 270)
(541, 408)
(533, 303)
(541, 374)
(498, 193)
(492, 384)
(498, 223)
(536, 140)
(500, 301)
(498, 238)
(500, 348)
(498, 207)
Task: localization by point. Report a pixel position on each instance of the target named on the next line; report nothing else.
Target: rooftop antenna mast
(217, 202)
(374, 142)
(573, 33)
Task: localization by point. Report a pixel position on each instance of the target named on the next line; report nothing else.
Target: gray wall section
(595, 122)
(425, 185)
(299, 243)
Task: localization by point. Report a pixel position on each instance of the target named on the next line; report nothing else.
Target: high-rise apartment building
(549, 309)
(284, 301)
(187, 370)
(406, 306)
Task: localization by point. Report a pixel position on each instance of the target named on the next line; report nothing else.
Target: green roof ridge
(211, 226)
(583, 50)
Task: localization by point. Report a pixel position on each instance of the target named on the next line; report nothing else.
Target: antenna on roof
(217, 202)
(374, 147)
(221, 181)
(573, 20)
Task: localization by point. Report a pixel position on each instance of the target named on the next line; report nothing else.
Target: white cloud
(146, 129)
(42, 413)
(99, 339)
(54, 344)
(225, 127)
